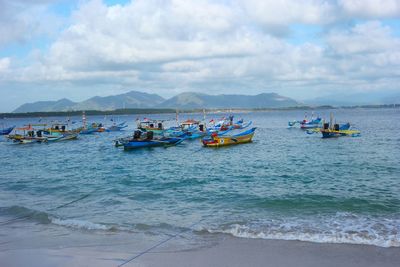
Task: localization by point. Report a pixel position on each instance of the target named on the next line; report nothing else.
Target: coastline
(155, 111)
(224, 250)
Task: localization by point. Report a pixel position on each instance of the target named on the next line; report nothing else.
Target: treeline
(166, 111)
(87, 112)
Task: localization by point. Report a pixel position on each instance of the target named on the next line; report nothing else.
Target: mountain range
(188, 100)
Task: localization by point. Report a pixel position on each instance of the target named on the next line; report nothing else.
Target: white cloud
(218, 46)
(21, 21)
(4, 64)
(369, 37)
(371, 8)
(283, 13)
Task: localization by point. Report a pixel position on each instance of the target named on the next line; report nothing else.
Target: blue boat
(190, 129)
(6, 131)
(307, 124)
(141, 140)
(116, 127)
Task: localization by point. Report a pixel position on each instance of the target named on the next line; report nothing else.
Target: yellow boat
(225, 140)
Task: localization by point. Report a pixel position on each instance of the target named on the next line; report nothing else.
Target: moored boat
(216, 140)
(228, 124)
(116, 127)
(307, 124)
(332, 129)
(155, 126)
(338, 130)
(146, 139)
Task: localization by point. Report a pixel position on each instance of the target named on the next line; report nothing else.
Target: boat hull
(218, 141)
(6, 131)
(334, 134)
(135, 144)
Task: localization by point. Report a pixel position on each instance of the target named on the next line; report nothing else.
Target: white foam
(79, 224)
(341, 229)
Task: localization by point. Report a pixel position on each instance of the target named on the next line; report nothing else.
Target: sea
(285, 185)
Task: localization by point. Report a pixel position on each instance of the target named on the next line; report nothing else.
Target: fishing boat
(88, 130)
(228, 124)
(192, 129)
(155, 126)
(216, 140)
(116, 127)
(307, 124)
(338, 130)
(332, 129)
(28, 134)
(146, 139)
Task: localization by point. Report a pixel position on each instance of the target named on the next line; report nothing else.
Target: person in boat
(136, 135)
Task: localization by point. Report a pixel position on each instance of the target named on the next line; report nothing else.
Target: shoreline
(138, 111)
(217, 250)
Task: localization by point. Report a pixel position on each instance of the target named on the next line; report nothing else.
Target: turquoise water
(284, 185)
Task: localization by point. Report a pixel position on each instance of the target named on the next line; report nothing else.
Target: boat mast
(84, 119)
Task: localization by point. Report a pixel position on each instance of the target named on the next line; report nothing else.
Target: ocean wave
(343, 228)
(19, 213)
(80, 224)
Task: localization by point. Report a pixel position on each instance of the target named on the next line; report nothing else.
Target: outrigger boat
(307, 124)
(330, 130)
(216, 140)
(337, 131)
(90, 129)
(32, 135)
(146, 139)
(228, 124)
(155, 126)
(189, 129)
(116, 127)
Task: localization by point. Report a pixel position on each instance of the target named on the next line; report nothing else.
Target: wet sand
(226, 251)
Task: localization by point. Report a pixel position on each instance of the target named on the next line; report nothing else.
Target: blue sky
(301, 49)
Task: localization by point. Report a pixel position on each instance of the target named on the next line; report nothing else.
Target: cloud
(21, 21)
(4, 64)
(218, 46)
(283, 13)
(371, 8)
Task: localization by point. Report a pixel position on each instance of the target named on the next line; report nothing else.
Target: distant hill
(132, 99)
(44, 106)
(188, 100)
(192, 100)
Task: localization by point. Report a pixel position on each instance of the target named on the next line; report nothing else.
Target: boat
(116, 127)
(216, 140)
(155, 126)
(58, 129)
(146, 139)
(331, 130)
(307, 124)
(189, 129)
(228, 124)
(338, 130)
(31, 135)
(88, 130)
(6, 131)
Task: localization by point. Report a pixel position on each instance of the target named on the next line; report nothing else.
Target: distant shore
(131, 111)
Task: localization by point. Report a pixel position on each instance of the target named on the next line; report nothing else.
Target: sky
(301, 49)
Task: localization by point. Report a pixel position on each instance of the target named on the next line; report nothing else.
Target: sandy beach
(224, 251)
